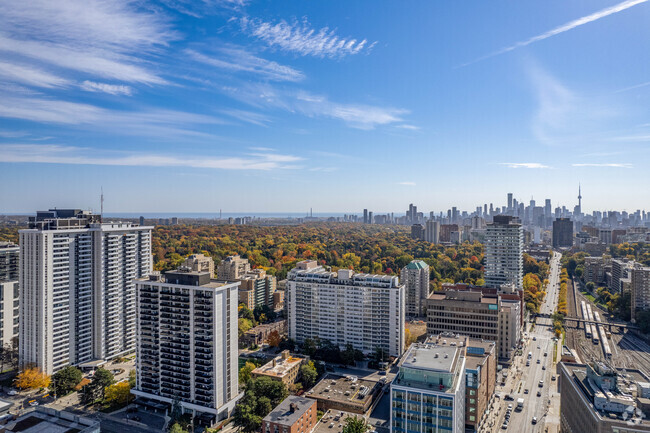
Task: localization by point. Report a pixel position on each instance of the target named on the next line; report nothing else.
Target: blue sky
(196, 106)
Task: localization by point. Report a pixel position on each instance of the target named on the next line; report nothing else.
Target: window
(472, 418)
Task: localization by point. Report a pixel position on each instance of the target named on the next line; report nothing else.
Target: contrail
(563, 28)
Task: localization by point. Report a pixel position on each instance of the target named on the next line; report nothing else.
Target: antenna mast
(101, 211)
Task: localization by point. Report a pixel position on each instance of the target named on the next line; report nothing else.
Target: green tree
(95, 390)
(118, 393)
(355, 425)
(176, 428)
(245, 372)
(132, 379)
(309, 347)
(65, 380)
(245, 313)
(243, 326)
(261, 396)
(308, 374)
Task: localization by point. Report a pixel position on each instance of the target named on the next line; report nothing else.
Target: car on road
(539, 393)
(535, 339)
(12, 392)
(543, 367)
(541, 383)
(534, 420)
(545, 353)
(504, 426)
(33, 403)
(538, 361)
(526, 391)
(553, 377)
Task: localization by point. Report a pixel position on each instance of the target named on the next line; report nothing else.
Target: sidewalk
(553, 416)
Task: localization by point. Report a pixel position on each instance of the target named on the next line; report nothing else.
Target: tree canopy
(262, 394)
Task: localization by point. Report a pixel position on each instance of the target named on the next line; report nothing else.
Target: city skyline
(437, 104)
(220, 213)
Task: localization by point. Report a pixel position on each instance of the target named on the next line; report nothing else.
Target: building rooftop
(430, 357)
(613, 394)
(349, 390)
(290, 410)
(47, 420)
(308, 271)
(417, 264)
(186, 277)
(439, 353)
(279, 366)
(333, 421)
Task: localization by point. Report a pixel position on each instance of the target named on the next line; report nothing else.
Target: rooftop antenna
(101, 211)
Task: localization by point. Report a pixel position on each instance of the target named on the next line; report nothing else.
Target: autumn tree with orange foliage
(32, 378)
(274, 339)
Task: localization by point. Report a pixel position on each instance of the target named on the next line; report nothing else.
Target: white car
(12, 392)
(33, 403)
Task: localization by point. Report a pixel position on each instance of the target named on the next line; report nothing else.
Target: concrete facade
(187, 341)
(366, 311)
(77, 297)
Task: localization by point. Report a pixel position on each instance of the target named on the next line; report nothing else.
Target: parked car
(12, 392)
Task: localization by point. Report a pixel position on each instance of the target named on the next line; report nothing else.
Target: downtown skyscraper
(77, 297)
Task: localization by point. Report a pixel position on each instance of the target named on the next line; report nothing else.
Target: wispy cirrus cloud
(59, 154)
(535, 165)
(152, 122)
(301, 38)
(236, 59)
(612, 164)
(406, 183)
(113, 89)
(248, 117)
(99, 37)
(30, 75)
(359, 116)
(564, 28)
(199, 8)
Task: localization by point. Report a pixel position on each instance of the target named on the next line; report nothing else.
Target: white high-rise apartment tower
(366, 311)
(504, 252)
(77, 296)
(187, 341)
(415, 277)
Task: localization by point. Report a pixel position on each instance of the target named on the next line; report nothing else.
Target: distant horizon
(258, 214)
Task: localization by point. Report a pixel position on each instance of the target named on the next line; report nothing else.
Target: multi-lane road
(532, 378)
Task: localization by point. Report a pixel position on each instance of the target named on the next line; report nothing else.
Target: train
(595, 337)
(585, 316)
(607, 352)
(603, 341)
